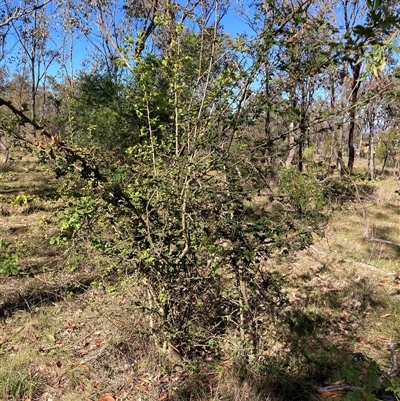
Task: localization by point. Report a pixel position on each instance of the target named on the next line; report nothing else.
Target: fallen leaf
(141, 389)
(164, 397)
(107, 398)
(331, 394)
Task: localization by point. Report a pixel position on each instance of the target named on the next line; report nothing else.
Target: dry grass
(27, 207)
(347, 284)
(33, 271)
(344, 300)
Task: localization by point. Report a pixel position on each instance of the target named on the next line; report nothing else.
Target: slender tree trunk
(355, 86)
(337, 134)
(360, 148)
(6, 150)
(302, 139)
(397, 166)
(300, 153)
(384, 163)
(267, 122)
(339, 154)
(371, 159)
(371, 150)
(292, 134)
(292, 149)
(33, 73)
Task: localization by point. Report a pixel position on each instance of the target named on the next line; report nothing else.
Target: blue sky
(232, 24)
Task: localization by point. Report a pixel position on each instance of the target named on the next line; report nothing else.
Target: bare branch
(18, 13)
(384, 241)
(339, 387)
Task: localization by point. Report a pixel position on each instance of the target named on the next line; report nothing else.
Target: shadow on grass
(297, 377)
(46, 191)
(387, 237)
(390, 209)
(27, 177)
(318, 338)
(31, 246)
(385, 232)
(37, 294)
(319, 342)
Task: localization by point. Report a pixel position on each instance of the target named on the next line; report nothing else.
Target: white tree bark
(6, 150)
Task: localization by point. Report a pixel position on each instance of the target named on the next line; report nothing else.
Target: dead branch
(394, 371)
(338, 387)
(87, 168)
(370, 267)
(384, 241)
(312, 247)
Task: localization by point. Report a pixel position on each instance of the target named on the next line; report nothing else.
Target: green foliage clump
(388, 147)
(339, 189)
(8, 260)
(172, 209)
(100, 116)
(394, 386)
(303, 191)
(24, 199)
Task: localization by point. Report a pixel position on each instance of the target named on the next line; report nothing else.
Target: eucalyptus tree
(11, 12)
(14, 15)
(36, 53)
(119, 32)
(388, 138)
(366, 25)
(291, 55)
(373, 118)
(320, 47)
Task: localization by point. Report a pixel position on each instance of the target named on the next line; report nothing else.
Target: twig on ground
(337, 387)
(317, 250)
(394, 371)
(367, 266)
(384, 241)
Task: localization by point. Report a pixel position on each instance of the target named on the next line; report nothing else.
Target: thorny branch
(114, 194)
(86, 168)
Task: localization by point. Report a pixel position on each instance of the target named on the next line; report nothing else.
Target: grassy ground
(68, 334)
(32, 270)
(26, 199)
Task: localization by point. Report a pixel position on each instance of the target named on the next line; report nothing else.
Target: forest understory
(70, 330)
(199, 200)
